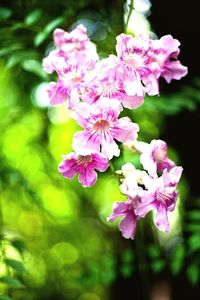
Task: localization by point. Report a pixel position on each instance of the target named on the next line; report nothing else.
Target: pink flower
(154, 157)
(134, 54)
(68, 44)
(164, 61)
(131, 180)
(102, 127)
(107, 80)
(160, 195)
(70, 84)
(127, 225)
(84, 165)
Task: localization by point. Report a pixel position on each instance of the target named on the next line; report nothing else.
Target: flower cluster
(97, 91)
(155, 190)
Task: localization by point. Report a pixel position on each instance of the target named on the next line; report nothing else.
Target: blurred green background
(55, 240)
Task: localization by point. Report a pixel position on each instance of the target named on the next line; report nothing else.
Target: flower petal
(132, 101)
(99, 162)
(118, 210)
(87, 176)
(161, 219)
(125, 130)
(109, 149)
(127, 226)
(68, 167)
(57, 93)
(174, 70)
(84, 143)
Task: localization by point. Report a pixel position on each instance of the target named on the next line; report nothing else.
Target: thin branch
(131, 8)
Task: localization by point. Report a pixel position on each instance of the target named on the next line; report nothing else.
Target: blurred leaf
(33, 17)
(10, 49)
(126, 270)
(194, 243)
(53, 24)
(177, 259)
(127, 255)
(194, 215)
(5, 13)
(20, 56)
(158, 265)
(4, 297)
(18, 25)
(192, 227)
(15, 264)
(34, 66)
(154, 251)
(40, 38)
(11, 281)
(18, 244)
(193, 273)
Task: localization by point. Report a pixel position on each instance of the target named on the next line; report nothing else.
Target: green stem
(142, 262)
(112, 169)
(131, 8)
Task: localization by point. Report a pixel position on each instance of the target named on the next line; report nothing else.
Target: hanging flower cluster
(97, 91)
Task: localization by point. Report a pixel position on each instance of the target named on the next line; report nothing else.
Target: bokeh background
(55, 242)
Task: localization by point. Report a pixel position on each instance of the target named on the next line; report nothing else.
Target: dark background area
(180, 19)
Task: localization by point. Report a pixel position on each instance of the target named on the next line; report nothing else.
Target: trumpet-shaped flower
(70, 84)
(132, 180)
(102, 127)
(164, 61)
(84, 165)
(68, 44)
(134, 54)
(160, 195)
(127, 225)
(108, 80)
(154, 157)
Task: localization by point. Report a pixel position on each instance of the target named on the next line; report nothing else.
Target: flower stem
(112, 169)
(131, 8)
(142, 261)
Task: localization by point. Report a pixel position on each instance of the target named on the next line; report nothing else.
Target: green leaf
(192, 227)
(19, 245)
(11, 281)
(53, 24)
(158, 265)
(7, 50)
(126, 270)
(40, 38)
(127, 255)
(193, 273)
(5, 13)
(34, 66)
(194, 215)
(15, 264)
(177, 259)
(4, 297)
(33, 17)
(194, 243)
(18, 25)
(20, 56)
(154, 251)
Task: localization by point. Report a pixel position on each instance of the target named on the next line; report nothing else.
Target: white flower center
(134, 60)
(109, 88)
(164, 197)
(72, 79)
(101, 126)
(84, 160)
